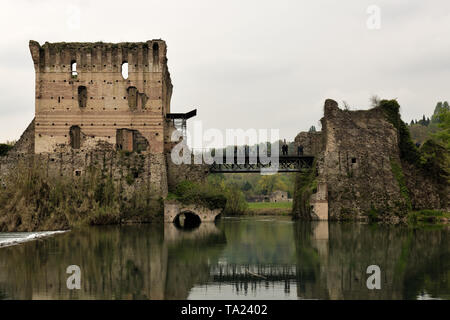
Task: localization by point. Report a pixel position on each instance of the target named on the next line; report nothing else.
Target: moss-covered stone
(305, 186)
(397, 171)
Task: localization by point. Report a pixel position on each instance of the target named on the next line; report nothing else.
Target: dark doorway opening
(75, 137)
(82, 96)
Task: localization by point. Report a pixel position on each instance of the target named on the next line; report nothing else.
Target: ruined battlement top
(99, 56)
(91, 45)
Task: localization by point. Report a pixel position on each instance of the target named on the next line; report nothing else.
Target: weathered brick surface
(108, 108)
(101, 109)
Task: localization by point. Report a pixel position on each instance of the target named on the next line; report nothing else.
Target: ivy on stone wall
(408, 151)
(432, 158)
(400, 177)
(305, 186)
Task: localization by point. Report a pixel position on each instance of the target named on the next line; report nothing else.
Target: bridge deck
(241, 164)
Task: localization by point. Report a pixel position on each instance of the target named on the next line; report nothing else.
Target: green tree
(443, 134)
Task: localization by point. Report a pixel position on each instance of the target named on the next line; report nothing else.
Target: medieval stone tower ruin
(104, 106)
(83, 96)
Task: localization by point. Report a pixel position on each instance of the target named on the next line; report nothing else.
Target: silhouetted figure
(300, 150)
(284, 149)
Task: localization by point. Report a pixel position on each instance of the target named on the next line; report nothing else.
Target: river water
(236, 258)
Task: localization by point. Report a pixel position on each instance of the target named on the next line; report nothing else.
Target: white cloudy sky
(248, 63)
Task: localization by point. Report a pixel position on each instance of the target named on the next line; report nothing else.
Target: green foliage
(408, 151)
(434, 159)
(129, 179)
(399, 176)
(255, 184)
(441, 107)
(443, 134)
(270, 205)
(438, 128)
(236, 203)
(247, 186)
(4, 148)
(269, 208)
(189, 192)
(305, 186)
(31, 200)
(427, 215)
(374, 214)
(232, 190)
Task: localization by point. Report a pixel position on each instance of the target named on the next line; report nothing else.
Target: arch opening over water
(187, 220)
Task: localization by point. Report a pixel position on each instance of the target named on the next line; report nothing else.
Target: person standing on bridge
(300, 150)
(284, 148)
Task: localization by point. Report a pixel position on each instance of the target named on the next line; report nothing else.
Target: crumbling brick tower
(82, 96)
(84, 102)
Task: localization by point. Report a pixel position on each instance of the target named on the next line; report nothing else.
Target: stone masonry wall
(359, 148)
(96, 97)
(127, 169)
(312, 142)
(356, 154)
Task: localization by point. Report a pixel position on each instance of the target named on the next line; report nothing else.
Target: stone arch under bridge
(173, 210)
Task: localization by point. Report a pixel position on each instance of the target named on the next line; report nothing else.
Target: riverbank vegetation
(254, 185)
(428, 216)
(32, 200)
(219, 192)
(235, 198)
(189, 192)
(269, 208)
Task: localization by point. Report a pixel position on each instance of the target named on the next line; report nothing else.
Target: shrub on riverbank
(236, 203)
(189, 192)
(211, 195)
(428, 216)
(31, 200)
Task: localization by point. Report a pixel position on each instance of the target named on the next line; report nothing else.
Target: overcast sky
(248, 63)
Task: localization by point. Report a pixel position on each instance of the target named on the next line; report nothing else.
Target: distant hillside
(426, 128)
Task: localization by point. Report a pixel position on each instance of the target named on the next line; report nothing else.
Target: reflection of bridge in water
(251, 272)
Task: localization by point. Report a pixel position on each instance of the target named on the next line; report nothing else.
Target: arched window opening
(75, 137)
(125, 70)
(156, 54)
(74, 72)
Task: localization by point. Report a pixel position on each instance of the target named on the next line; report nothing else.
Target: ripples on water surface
(248, 258)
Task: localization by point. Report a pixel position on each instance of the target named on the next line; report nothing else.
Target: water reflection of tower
(312, 248)
(190, 256)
